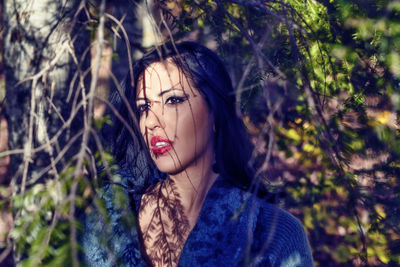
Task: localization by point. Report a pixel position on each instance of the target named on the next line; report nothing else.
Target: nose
(154, 117)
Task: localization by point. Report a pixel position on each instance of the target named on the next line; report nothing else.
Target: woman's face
(175, 120)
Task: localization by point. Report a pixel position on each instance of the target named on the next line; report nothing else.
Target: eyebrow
(161, 93)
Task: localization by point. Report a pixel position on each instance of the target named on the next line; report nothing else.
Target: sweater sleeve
(93, 240)
(110, 239)
(280, 240)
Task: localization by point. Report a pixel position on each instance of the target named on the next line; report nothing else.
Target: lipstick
(160, 145)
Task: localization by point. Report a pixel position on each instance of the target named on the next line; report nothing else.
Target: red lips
(160, 150)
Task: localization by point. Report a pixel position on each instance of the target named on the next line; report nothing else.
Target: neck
(192, 185)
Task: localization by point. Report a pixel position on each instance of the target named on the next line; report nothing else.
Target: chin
(168, 165)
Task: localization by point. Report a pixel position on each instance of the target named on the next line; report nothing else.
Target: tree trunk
(46, 63)
(49, 105)
(39, 66)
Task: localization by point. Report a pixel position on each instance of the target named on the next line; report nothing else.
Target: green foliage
(42, 224)
(319, 80)
(332, 67)
(43, 221)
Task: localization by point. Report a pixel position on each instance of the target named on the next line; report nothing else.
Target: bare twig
(28, 145)
(253, 44)
(128, 47)
(59, 157)
(52, 140)
(85, 137)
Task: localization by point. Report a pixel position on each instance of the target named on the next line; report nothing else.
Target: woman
(202, 213)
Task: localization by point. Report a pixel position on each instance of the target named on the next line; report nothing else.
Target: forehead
(161, 76)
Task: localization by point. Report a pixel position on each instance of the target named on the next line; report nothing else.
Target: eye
(173, 100)
(143, 108)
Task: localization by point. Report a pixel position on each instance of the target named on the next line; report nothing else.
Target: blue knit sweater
(234, 228)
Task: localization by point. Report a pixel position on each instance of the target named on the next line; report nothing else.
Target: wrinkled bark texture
(40, 37)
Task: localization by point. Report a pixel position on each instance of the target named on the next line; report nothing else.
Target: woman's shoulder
(230, 214)
(278, 217)
(281, 236)
(105, 240)
(268, 214)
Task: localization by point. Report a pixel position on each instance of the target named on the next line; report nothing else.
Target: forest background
(317, 83)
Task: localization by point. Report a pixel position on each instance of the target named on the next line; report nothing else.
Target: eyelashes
(142, 108)
(170, 101)
(174, 100)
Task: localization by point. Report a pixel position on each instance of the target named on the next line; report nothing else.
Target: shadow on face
(175, 120)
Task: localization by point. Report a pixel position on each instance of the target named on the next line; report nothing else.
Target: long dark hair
(209, 76)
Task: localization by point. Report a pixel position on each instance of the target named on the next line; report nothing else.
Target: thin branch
(59, 157)
(253, 44)
(85, 138)
(28, 145)
(128, 47)
(47, 68)
(52, 140)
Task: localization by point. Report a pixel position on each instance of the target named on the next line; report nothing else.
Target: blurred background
(317, 85)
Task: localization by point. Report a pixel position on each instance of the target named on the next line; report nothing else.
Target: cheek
(142, 129)
(195, 126)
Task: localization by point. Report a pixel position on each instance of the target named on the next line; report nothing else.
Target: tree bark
(41, 39)
(46, 63)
